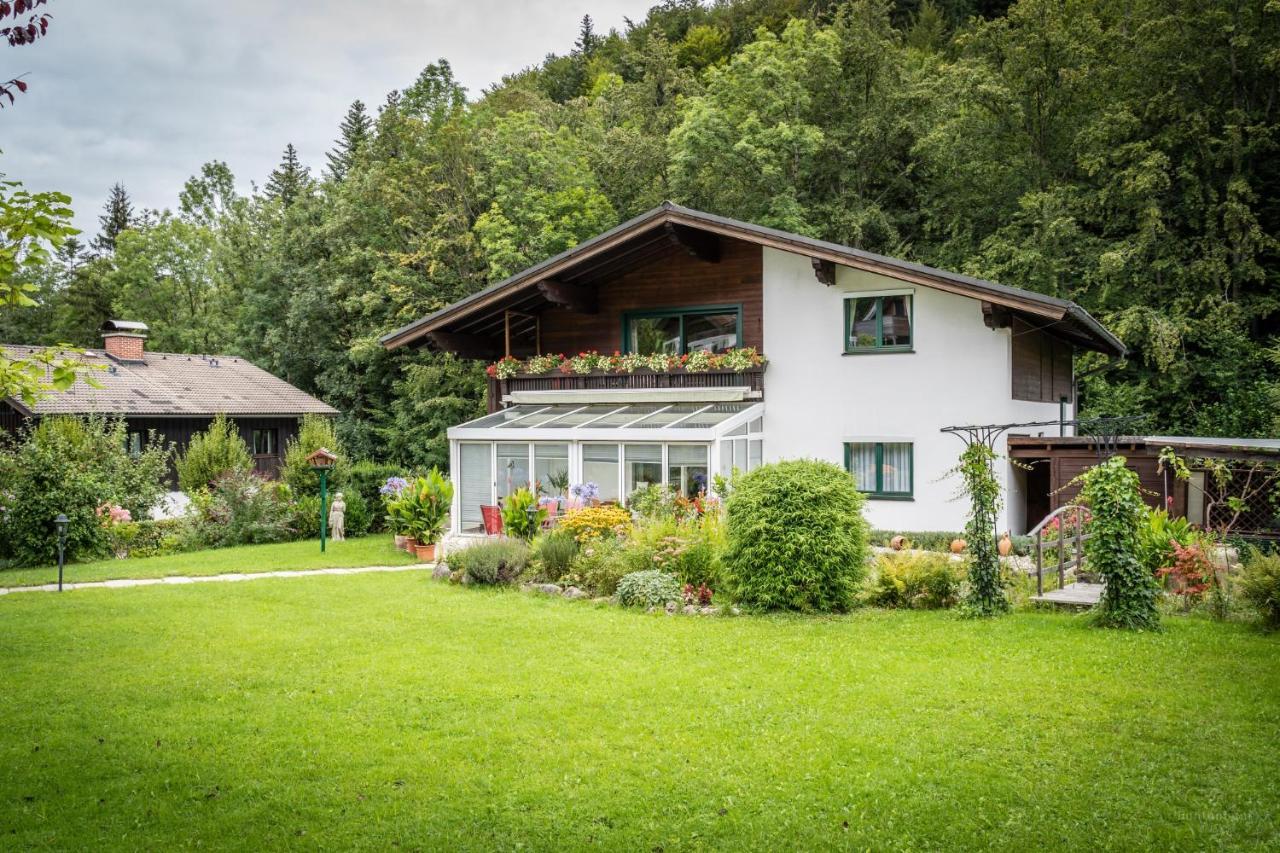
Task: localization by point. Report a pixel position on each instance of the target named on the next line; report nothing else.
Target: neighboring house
(868, 358)
(176, 395)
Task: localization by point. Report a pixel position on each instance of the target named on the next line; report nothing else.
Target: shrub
(1111, 492)
(652, 500)
(500, 561)
(515, 514)
(691, 550)
(424, 506)
(986, 595)
(147, 538)
(315, 432)
(556, 551)
(244, 509)
(597, 522)
(366, 479)
(650, 588)
(72, 466)
(217, 451)
(305, 516)
(924, 581)
(1260, 586)
(796, 537)
(1159, 535)
(601, 564)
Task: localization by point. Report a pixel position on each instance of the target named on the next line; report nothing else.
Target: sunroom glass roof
(569, 417)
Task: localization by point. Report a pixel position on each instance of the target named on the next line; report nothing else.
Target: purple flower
(394, 486)
(585, 491)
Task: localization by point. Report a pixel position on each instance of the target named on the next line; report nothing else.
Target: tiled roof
(174, 384)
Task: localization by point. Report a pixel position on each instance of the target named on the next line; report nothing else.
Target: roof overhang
(466, 324)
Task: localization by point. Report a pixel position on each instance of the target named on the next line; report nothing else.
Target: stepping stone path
(237, 576)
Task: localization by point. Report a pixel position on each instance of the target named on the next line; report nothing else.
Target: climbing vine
(986, 593)
(1111, 492)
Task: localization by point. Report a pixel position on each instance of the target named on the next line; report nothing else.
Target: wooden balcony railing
(752, 379)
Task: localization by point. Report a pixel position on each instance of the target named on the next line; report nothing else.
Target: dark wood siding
(673, 280)
(1041, 365)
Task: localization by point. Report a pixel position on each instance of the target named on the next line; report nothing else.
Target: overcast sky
(145, 92)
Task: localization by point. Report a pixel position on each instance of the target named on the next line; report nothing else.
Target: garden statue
(338, 518)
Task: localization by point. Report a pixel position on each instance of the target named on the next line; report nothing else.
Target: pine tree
(355, 131)
(290, 179)
(588, 41)
(117, 215)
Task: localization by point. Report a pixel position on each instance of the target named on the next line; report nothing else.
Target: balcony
(752, 379)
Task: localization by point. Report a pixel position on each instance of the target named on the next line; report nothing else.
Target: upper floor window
(878, 323)
(134, 441)
(264, 442)
(683, 330)
(882, 469)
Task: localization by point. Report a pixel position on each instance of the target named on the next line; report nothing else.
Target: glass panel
(757, 425)
(863, 322)
(895, 469)
(740, 453)
(643, 465)
(499, 418)
(475, 483)
(513, 468)
(687, 468)
(710, 332)
(627, 415)
(710, 417)
(726, 458)
(896, 322)
(741, 430)
(570, 418)
(650, 335)
(551, 468)
(600, 466)
(755, 455)
(668, 415)
(862, 465)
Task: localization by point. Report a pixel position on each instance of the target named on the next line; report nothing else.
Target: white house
(868, 358)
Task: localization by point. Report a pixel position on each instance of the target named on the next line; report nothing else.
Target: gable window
(264, 442)
(878, 323)
(882, 469)
(683, 330)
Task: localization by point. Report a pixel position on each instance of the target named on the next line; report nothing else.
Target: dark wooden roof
(639, 240)
(173, 385)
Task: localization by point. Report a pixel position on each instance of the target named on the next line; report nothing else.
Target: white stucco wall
(817, 398)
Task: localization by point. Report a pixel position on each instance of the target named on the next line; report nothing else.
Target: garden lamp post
(322, 462)
(61, 523)
(532, 513)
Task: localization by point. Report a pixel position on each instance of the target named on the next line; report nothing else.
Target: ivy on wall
(986, 593)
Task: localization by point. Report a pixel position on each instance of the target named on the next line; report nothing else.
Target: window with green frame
(677, 331)
(878, 323)
(882, 469)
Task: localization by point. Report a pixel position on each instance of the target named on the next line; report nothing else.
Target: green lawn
(380, 711)
(377, 550)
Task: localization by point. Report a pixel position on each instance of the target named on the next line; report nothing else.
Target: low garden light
(322, 462)
(61, 523)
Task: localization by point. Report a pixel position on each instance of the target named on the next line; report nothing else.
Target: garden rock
(440, 572)
(671, 608)
(691, 609)
(546, 588)
(709, 610)
(574, 592)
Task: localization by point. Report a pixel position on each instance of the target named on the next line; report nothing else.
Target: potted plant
(429, 500)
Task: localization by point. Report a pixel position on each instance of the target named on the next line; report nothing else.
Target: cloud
(146, 93)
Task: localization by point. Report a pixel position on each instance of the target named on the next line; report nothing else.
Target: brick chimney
(124, 340)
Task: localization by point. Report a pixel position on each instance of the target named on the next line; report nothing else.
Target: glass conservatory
(617, 446)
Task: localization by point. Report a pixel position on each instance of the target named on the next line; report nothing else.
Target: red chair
(492, 518)
(553, 513)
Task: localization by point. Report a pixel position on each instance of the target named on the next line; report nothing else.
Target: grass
(378, 711)
(376, 550)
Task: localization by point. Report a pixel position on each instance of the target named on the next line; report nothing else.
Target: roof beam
(578, 298)
(703, 245)
(467, 346)
(824, 271)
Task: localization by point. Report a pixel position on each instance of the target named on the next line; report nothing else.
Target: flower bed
(736, 360)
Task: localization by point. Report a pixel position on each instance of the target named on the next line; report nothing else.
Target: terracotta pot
(409, 543)
(425, 553)
(897, 543)
(400, 539)
(958, 545)
(1006, 546)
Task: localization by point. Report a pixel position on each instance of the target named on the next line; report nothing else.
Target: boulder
(691, 609)
(440, 572)
(709, 610)
(546, 588)
(671, 608)
(574, 592)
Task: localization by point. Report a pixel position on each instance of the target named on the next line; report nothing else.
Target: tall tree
(290, 179)
(117, 216)
(354, 133)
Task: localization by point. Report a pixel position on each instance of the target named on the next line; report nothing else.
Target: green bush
(556, 551)
(1113, 495)
(365, 478)
(315, 432)
(244, 509)
(1157, 536)
(650, 588)
(601, 563)
(691, 550)
(925, 581)
(515, 514)
(217, 451)
(796, 537)
(500, 561)
(1260, 586)
(148, 538)
(72, 466)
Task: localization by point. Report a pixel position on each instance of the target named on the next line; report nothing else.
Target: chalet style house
(175, 394)
(866, 359)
